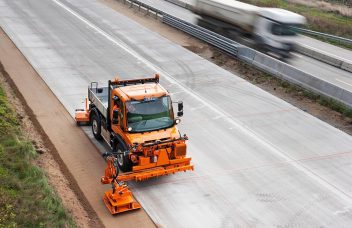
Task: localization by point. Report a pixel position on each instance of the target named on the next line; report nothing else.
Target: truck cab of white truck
(275, 30)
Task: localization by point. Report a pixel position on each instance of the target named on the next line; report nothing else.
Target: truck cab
(136, 119)
(274, 30)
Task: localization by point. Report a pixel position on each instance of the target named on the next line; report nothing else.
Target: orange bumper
(147, 173)
(154, 172)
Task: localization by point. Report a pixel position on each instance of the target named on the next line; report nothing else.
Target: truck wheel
(123, 160)
(96, 126)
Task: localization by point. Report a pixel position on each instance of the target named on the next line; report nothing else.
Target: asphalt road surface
(258, 160)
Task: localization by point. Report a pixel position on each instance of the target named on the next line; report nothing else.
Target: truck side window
(282, 30)
(276, 29)
(122, 111)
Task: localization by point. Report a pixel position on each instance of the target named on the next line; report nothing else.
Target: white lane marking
(326, 53)
(197, 108)
(346, 210)
(343, 82)
(177, 92)
(219, 112)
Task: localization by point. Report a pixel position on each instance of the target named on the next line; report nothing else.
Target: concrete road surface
(326, 72)
(259, 161)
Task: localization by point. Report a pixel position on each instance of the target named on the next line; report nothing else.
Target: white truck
(269, 28)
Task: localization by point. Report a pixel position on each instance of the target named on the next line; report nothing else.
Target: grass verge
(26, 198)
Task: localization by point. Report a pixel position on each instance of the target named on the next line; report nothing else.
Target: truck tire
(96, 125)
(123, 160)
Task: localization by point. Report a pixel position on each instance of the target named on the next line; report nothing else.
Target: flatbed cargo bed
(99, 97)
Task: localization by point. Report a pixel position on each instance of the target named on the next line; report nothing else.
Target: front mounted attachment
(120, 198)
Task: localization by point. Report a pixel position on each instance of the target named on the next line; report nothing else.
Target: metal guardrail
(210, 37)
(141, 4)
(324, 35)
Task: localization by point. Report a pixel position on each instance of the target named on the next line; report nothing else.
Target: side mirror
(115, 117)
(180, 109)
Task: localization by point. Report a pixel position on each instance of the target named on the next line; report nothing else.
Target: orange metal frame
(120, 198)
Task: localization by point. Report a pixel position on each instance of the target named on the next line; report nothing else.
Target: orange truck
(136, 119)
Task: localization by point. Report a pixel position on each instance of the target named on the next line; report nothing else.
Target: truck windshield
(283, 29)
(149, 114)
